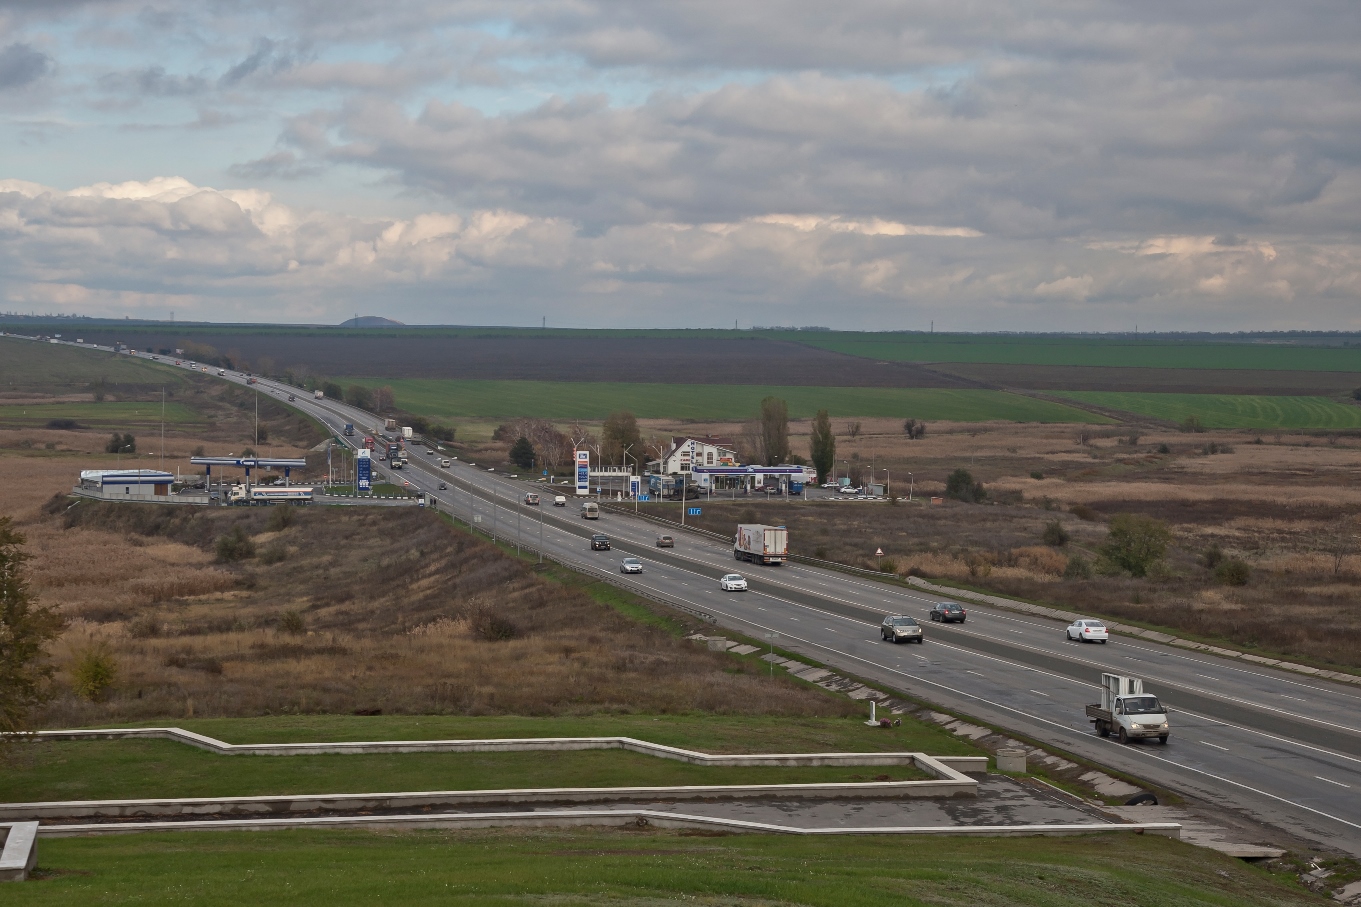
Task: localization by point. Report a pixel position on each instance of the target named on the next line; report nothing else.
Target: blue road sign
(644, 497)
(692, 511)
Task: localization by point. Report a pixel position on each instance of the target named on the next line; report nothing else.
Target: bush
(280, 518)
(1164, 449)
(121, 444)
(1037, 475)
(64, 425)
(1136, 542)
(1055, 536)
(888, 565)
(1083, 512)
(235, 546)
(1356, 394)
(1233, 572)
(1078, 567)
(1212, 556)
(93, 673)
(1192, 424)
(273, 553)
(914, 429)
(494, 627)
(961, 486)
(291, 622)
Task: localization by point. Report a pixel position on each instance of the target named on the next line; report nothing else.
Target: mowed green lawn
(1230, 410)
(117, 769)
(1091, 351)
(450, 399)
(96, 415)
(593, 866)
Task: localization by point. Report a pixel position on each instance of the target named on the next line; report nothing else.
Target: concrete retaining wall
(20, 853)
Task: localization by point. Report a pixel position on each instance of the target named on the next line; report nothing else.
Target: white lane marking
(1063, 727)
(1215, 745)
(975, 673)
(1331, 781)
(1045, 695)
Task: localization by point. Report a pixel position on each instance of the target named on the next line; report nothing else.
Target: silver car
(631, 565)
(897, 628)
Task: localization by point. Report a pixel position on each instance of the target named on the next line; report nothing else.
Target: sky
(1048, 165)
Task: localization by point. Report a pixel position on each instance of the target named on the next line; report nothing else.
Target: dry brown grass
(399, 612)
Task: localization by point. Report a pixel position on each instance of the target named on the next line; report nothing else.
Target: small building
(124, 484)
(687, 453)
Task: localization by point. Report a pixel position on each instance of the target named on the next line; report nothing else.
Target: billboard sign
(583, 472)
(363, 471)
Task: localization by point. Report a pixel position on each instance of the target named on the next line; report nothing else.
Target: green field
(1230, 410)
(97, 415)
(445, 399)
(587, 866)
(1089, 351)
(111, 769)
(53, 368)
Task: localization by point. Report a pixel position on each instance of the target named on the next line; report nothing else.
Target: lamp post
(910, 487)
(637, 466)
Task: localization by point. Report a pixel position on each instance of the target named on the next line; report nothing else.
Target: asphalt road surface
(1284, 748)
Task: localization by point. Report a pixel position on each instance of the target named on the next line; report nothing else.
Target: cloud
(22, 64)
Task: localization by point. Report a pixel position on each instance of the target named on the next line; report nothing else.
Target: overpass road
(1286, 749)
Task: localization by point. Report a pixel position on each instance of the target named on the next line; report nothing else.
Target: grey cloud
(154, 81)
(279, 165)
(22, 64)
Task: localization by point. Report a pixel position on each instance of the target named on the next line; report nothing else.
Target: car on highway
(733, 582)
(559, 501)
(1087, 631)
(665, 541)
(949, 612)
(831, 484)
(292, 398)
(600, 542)
(442, 486)
(491, 469)
(899, 628)
(631, 565)
(532, 499)
(849, 489)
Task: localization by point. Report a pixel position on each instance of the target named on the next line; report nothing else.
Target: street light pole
(911, 484)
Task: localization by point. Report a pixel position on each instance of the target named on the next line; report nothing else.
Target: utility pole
(682, 497)
(172, 318)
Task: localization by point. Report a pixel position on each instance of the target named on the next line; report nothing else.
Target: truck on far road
(406, 432)
(1127, 711)
(756, 542)
(349, 430)
(368, 442)
(318, 395)
(290, 494)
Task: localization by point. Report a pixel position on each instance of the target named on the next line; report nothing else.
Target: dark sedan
(949, 612)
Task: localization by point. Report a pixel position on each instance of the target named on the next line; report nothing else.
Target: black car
(948, 613)
(600, 542)
(442, 486)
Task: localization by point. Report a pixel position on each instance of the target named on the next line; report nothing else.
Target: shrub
(93, 673)
(145, 626)
(1136, 542)
(1356, 394)
(1055, 536)
(1083, 512)
(197, 451)
(235, 546)
(121, 444)
(494, 627)
(522, 454)
(961, 486)
(1212, 556)
(888, 565)
(273, 553)
(292, 623)
(280, 518)
(1233, 572)
(64, 424)
(1192, 424)
(1164, 449)
(915, 429)
(1037, 475)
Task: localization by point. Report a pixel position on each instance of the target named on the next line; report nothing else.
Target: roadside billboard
(583, 472)
(363, 471)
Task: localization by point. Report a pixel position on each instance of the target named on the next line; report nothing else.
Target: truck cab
(1128, 712)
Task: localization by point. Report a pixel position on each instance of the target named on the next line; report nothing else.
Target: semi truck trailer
(292, 494)
(1127, 711)
(758, 543)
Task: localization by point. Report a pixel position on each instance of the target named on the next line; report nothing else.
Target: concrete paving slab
(1108, 786)
(1198, 831)
(812, 675)
(743, 650)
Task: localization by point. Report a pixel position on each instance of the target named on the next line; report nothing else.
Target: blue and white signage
(583, 472)
(694, 511)
(363, 471)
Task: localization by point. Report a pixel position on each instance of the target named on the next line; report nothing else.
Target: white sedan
(1087, 631)
(733, 582)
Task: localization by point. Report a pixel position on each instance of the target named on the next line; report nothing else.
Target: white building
(687, 453)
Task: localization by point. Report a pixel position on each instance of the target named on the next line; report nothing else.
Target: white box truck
(317, 395)
(406, 432)
(291, 494)
(758, 543)
(1127, 711)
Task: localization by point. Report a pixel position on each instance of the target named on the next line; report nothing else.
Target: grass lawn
(597, 867)
(110, 769)
(458, 399)
(1117, 352)
(97, 415)
(1230, 410)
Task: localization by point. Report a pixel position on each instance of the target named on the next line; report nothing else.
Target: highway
(1282, 747)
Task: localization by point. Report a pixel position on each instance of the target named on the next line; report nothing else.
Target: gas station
(287, 464)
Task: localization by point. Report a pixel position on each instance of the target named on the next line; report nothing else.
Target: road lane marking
(1215, 745)
(1331, 781)
(1045, 695)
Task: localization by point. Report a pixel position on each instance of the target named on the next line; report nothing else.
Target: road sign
(692, 511)
(878, 552)
(364, 471)
(644, 497)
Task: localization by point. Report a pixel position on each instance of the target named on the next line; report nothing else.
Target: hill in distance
(371, 321)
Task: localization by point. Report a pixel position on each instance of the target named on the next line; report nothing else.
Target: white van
(590, 511)
(559, 501)
(444, 463)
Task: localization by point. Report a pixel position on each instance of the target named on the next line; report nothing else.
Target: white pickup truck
(1127, 711)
